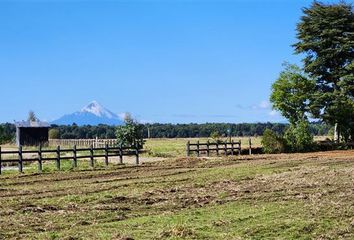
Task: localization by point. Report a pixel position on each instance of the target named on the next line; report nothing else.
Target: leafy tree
(292, 93)
(326, 37)
(131, 133)
(31, 116)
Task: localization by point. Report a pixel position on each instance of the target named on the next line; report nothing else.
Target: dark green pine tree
(326, 37)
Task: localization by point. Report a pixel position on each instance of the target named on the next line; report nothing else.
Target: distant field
(176, 147)
(173, 147)
(285, 196)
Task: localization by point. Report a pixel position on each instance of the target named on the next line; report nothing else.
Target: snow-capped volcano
(92, 114)
(96, 109)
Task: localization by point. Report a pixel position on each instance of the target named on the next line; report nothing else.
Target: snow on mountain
(96, 109)
(92, 114)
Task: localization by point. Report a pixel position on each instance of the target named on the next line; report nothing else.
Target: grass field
(297, 196)
(176, 147)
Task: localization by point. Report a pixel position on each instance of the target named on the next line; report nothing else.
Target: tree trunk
(336, 133)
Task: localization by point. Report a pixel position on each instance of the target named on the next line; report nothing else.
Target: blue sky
(163, 61)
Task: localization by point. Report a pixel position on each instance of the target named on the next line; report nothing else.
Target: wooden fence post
(136, 154)
(208, 151)
(58, 157)
(232, 147)
(217, 148)
(0, 160)
(106, 154)
(91, 156)
(225, 148)
(40, 168)
(74, 156)
(121, 153)
(250, 146)
(198, 154)
(239, 150)
(20, 163)
(188, 149)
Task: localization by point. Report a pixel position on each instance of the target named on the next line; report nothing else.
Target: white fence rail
(82, 142)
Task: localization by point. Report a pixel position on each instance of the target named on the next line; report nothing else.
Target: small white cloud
(273, 113)
(264, 104)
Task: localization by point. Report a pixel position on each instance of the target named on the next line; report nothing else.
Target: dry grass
(176, 147)
(267, 196)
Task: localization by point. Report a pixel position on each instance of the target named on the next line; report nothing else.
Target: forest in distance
(160, 130)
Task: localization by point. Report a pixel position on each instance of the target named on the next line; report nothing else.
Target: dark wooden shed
(31, 133)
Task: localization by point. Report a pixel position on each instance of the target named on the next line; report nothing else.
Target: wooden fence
(82, 142)
(226, 148)
(40, 155)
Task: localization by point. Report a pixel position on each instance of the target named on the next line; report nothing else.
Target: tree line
(160, 130)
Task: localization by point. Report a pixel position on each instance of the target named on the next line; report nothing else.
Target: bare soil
(313, 186)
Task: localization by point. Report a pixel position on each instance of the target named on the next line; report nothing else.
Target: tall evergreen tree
(326, 37)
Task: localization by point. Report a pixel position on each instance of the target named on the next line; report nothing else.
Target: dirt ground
(292, 196)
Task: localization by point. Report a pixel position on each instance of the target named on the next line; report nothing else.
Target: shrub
(5, 136)
(216, 137)
(131, 133)
(2, 137)
(271, 142)
(53, 133)
(298, 137)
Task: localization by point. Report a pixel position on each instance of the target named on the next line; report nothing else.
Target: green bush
(2, 137)
(216, 137)
(272, 143)
(298, 138)
(53, 133)
(131, 133)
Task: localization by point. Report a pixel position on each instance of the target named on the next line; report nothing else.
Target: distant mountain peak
(97, 109)
(93, 104)
(92, 114)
